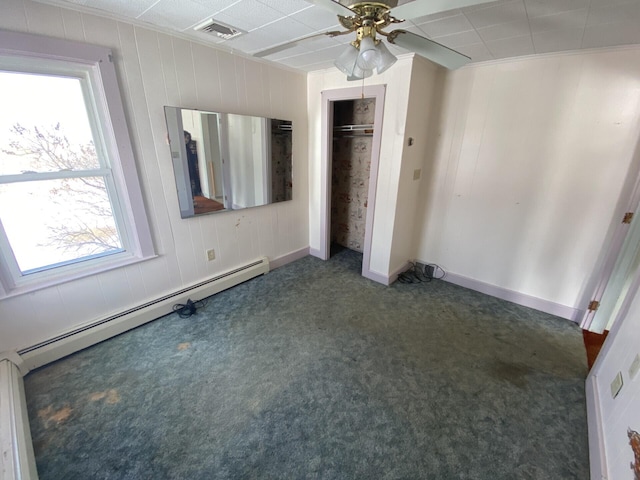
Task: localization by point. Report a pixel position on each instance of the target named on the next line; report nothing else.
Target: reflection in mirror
(224, 161)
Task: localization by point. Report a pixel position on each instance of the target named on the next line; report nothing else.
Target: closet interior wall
(351, 164)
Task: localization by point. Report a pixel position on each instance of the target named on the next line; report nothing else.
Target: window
(70, 200)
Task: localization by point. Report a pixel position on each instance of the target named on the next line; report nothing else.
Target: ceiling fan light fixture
(385, 58)
(369, 54)
(359, 73)
(346, 62)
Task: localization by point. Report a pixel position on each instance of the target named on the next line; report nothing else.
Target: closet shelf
(353, 130)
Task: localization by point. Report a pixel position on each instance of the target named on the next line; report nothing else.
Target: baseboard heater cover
(100, 330)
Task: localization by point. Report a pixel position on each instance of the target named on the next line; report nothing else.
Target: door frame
(328, 97)
(615, 246)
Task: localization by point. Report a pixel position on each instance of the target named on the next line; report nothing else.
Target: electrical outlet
(635, 367)
(211, 254)
(616, 385)
(417, 173)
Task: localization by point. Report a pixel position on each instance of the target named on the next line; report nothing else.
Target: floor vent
(218, 29)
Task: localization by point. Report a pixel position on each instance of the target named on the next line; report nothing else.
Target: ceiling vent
(218, 29)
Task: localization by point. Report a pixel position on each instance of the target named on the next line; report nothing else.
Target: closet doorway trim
(328, 97)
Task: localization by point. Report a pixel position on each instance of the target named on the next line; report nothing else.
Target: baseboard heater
(100, 330)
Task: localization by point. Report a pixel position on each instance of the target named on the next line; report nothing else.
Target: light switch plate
(616, 385)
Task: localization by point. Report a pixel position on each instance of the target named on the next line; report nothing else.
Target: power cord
(418, 274)
(189, 308)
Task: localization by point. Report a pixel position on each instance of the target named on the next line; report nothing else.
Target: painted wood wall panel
(155, 70)
(532, 157)
(621, 413)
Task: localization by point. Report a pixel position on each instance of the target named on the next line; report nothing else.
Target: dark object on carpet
(312, 371)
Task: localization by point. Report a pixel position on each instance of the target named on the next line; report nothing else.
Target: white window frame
(56, 56)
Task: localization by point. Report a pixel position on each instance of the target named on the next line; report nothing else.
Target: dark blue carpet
(315, 372)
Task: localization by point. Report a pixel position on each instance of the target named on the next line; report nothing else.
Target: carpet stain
(94, 397)
(110, 396)
(113, 397)
(184, 346)
(49, 415)
(513, 373)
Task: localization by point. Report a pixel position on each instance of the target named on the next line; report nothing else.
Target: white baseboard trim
(17, 461)
(523, 299)
(385, 279)
(103, 329)
(376, 277)
(597, 456)
(315, 252)
(288, 258)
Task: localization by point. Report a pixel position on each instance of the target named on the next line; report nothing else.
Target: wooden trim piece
(597, 457)
(523, 299)
(288, 258)
(17, 461)
(329, 96)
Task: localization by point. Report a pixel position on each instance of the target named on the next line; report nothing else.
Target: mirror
(224, 161)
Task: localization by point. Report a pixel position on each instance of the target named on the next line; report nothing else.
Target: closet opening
(353, 125)
(351, 132)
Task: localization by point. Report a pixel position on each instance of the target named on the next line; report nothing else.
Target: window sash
(93, 65)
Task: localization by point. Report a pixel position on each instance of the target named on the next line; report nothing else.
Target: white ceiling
(499, 29)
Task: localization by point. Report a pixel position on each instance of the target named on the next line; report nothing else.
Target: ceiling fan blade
(332, 6)
(293, 43)
(429, 49)
(420, 8)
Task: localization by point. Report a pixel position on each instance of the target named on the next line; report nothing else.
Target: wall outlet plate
(211, 254)
(616, 385)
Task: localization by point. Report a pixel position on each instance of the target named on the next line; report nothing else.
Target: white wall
(532, 156)
(423, 115)
(156, 70)
(397, 80)
(622, 413)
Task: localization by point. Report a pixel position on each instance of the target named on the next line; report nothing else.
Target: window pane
(58, 221)
(44, 125)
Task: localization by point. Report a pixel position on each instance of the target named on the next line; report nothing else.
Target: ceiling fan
(368, 19)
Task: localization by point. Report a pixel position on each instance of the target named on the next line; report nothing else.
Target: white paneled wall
(532, 157)
(155, 70)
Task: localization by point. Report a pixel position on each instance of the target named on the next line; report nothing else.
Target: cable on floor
(189, 308)
(418, 273)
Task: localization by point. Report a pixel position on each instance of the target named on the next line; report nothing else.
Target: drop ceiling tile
(505, 30)
(478, 52)
(318, 19)
(612, 34)
(248, 15)
(473, 8)
(250, 43)
(463, 38)
(446, 26)
(176, 16)
(558, 41)
(121, 7)
(560, 21)
(503, 13)
(289, 52)
(614, 13)
(511, 47)
(214, 5)
(286, 7)
(301, 60)
(284, 30)
(435, 16)
(540, 8)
